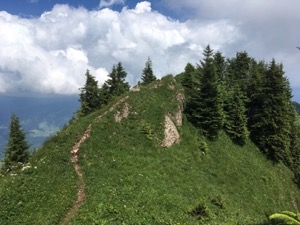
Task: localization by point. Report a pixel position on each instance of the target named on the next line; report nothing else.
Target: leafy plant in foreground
(285, 217)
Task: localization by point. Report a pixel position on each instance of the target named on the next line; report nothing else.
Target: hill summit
(138, 160)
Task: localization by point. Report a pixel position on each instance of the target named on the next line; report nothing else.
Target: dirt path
(74, 159)
(80, 192)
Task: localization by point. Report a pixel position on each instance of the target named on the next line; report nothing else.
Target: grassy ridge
(130, 179)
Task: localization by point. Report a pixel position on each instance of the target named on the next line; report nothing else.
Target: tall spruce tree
(205, 107)
(295, 147)
(116, 82)
(255, 93)
(188, 79)
(89, 96)
(221, 66)
(240, 69)
(147, 75)
(104, 94)
(235, 122)
(270, 122)
(17, 147)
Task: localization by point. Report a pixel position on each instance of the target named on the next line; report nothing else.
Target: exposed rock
(171, 86)
(113, 107)
(123, 113)
(171, 134)
(180, 97)
(156, 84)
(177, 116)
(136, 88)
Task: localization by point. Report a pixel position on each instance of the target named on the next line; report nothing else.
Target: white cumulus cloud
(50, 53)
(142, 7)
(269, 28)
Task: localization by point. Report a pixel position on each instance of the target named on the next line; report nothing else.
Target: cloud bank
(51, 53)
(268, 28)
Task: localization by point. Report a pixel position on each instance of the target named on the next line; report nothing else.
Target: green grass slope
(130, 179)
(43, 192)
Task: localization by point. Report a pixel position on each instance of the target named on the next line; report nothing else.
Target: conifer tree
(104, 94)
(255, 93)
(205, 107)
(148, 76)
(221, 66)
(187, 81)
(295, 146)
(89, 96)
(116, 82)
(17, 147)
(235, 123)
(240, 69)
(270, 123)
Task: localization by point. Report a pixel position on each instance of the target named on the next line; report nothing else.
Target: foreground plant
(285, 217)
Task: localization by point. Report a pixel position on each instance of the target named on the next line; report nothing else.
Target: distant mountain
(40, 115)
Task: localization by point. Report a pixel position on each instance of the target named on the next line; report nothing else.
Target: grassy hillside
(130, 179)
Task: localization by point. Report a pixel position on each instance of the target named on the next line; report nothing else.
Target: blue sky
(47, 45)
(37, 7)
(29, 8)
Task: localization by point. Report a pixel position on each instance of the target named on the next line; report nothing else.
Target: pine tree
(116, 82)
(17, 147)
(240, 70)
(295, 146)
(148, 76)
(104, 94)
(235, 123)
(187, 81)
(89, 96)
(221, 66)
(270, 122)
(205, 107)
(255, 93)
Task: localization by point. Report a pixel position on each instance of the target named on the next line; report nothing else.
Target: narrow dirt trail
(80, 191)
(74, 159)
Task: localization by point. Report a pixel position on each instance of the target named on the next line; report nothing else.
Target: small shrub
(147, 130)
(201, 212)
(218, 201)
(202, 146)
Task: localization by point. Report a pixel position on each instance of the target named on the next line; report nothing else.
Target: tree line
(93, 97)
(245, 98)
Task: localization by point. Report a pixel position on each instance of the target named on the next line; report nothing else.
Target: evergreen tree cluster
(92, 97)
(246, 98)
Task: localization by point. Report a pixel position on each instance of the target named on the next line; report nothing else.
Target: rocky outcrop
(123, 113)
(136, 88)
(177, 116)
(171, 135)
